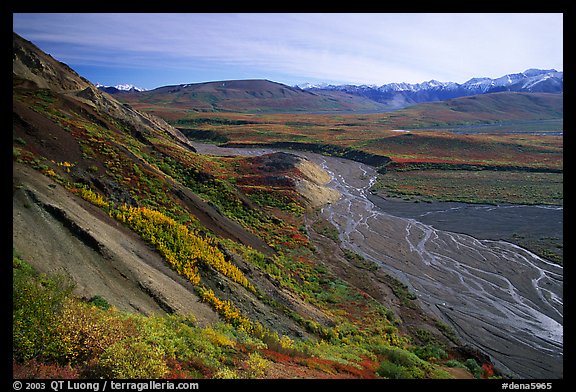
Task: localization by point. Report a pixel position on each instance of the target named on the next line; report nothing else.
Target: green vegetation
(37, 301)
(479, 186)
(327, 229)
(359, 261)
(52, 326)
(99, 302)
(484, 371)
(401, 364)
(402, 292)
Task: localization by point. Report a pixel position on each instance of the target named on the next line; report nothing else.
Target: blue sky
(152, 50)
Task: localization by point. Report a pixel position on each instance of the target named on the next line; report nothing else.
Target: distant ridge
(254, 95)
(265, 96)
(400, 95)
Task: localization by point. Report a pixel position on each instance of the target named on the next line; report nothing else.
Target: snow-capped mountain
(308, 86)
(531, 80)
(398, 95)
(130, 88)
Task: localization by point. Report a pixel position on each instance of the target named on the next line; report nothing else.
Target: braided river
(498, 297)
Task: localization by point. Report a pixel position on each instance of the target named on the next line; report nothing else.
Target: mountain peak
(536, 71)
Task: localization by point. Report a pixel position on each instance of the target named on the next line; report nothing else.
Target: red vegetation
(488, 370)
(277, 356)
(37, 370)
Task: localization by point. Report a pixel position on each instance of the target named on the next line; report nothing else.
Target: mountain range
(399, 95)
(267, 96)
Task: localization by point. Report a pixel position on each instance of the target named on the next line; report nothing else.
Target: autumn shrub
(93, 197)
(345, 354)
(180, 341)
(218, 338)
(47, 371)
(227, 310)
(182, 248)
(256, 365)
(37, 303)
(488, 370)
(225, 373)
(176, 371)
(250, 341)
(85, 331)
(132, 358)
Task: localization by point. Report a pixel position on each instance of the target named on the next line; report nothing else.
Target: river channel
(498, 297)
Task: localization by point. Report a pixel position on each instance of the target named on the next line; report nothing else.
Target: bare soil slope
(57, 232)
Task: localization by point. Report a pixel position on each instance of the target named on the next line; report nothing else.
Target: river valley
(498, 297)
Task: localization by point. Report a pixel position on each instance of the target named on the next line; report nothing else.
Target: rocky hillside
(192, 265)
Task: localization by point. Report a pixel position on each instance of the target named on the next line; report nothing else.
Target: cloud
(356, 48)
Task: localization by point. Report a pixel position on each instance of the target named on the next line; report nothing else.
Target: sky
(152, 50)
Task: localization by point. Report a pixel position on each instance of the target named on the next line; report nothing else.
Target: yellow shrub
(49, 172)
(181, 248)
(93, 197)
(286, 342)
(225, 373)
(227, 310)
(67, 165)
(218, 338)
(132, 358)
(86, 331)
(256, 365)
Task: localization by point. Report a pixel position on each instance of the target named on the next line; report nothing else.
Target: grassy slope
(80, 339)
(504, 106)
